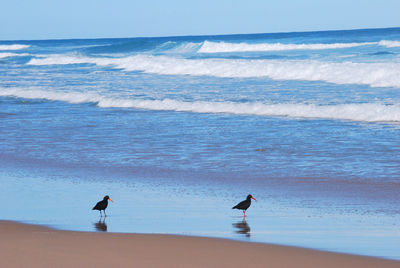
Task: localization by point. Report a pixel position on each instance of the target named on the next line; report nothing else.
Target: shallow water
(179, 206)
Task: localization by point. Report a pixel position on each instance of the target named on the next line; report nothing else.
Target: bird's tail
(234, 207)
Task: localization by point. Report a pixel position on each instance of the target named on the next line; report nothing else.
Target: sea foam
(378, 74)
(13, 47)
(9, 54)
(367, 112)
(225, 47)
(219, 47)
(388, 43)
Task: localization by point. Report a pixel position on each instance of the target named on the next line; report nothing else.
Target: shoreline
(30, 245)
(146, 207)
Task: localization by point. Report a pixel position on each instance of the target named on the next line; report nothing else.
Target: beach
(225, 134)
(25, 245)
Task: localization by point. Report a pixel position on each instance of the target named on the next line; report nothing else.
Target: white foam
(380, 74)
(218, 47)
(33, 93)
(13, 47)
(9, 54)
(224, 47)
(356, 112)
(368, 112)
(389, 43)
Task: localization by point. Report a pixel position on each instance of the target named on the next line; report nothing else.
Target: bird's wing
(96, 206)
(238, 205)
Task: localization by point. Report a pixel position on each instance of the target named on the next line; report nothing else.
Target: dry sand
(25, 245)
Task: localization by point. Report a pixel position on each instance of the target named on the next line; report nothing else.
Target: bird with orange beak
(102, 205)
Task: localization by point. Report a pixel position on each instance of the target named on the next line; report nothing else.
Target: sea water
(179, 129)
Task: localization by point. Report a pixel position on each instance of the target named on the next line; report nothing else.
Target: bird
(244, 205)
(102, 205)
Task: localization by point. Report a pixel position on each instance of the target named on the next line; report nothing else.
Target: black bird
(102, 205)
(244, 205)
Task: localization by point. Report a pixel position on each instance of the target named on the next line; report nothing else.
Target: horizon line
(200, 35)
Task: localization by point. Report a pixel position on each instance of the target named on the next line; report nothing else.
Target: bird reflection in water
(101, 225)
(242, 228)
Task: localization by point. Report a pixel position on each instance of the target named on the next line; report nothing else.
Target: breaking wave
(367, 112)
(218, 47)
(388, 43)
(379, 74)
(221, 47)
(9, 54)
(13, 47)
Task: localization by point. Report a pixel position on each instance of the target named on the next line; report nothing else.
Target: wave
(219, 47)
(138, 45)
(9, 54)
(388, 43)
(379, 74)
(32, 93)
(13, 47)
(183, 48)
(367, 112)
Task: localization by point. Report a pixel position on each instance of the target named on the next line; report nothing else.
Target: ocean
(177, 130)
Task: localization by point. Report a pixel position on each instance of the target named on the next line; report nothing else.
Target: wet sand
(24, 245)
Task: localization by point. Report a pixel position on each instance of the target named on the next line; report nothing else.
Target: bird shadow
(242, 227)
(101, 225)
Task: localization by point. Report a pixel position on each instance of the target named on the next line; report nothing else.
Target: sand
(24, 245)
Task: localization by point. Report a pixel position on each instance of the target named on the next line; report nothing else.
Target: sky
(61, 19)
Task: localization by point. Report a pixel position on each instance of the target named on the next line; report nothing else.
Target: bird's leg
(244, 214)
(105, 215)
(100, 214)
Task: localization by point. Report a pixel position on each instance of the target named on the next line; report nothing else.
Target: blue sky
(53, 19)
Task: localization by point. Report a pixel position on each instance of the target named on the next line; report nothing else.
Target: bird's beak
(254, 198)
(110, 199)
